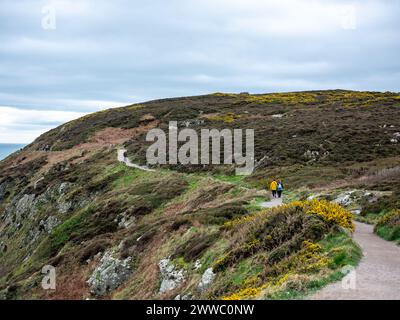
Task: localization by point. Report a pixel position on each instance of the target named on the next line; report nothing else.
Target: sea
(7, 148)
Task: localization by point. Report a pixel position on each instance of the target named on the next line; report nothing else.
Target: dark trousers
(279, 193)
(273, 193)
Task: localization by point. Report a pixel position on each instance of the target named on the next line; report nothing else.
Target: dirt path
(128, 163)
(376, 277)
(378, 274)
(274, 202)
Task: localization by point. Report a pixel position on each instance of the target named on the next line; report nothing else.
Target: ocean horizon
(8, 148)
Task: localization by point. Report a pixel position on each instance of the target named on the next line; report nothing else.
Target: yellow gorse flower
(332, 213)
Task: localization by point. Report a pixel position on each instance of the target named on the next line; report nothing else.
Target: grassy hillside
(198, 232)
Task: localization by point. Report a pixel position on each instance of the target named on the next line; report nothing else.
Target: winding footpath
(377, 277)
(378, 274)
(274, 202)
(128, 163)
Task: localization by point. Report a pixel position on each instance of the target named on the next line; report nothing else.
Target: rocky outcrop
(49, 224)
(197, 265)
(192, 122)
(187, 296)
(352, 200)
(347, 198)
(3, 247)
(125, 220)
(24, 208)
(311, 155)
(172, 277)
(57, 194)
(3, 189)
(206, 280)
(109, 274)
(396, 137)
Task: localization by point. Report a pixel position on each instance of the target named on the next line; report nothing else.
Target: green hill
(198, 231)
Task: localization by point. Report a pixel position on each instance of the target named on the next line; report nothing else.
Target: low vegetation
(66, 201)
(288, 251)
(388, 227)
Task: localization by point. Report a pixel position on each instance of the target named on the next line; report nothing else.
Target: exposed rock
(109, 274)
(171, 276)
(351, 197)
(189, 123)
(3, 189)
(125, 220)
(33, 235)
(311, 155)
(3, 247)
(49, 224)
(279, 115)
(344, 199)
(24, 208)
(206, 280)
(56, 194)
(352, 200)
(53, 193)
(45, 147)
(64, 187)
(187, 296)
(44, 226)
(64, 207)
(197, 265)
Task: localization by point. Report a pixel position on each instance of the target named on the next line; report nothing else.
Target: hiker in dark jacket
(280, 188)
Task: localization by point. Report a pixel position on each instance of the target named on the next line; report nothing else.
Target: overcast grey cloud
(110, 53)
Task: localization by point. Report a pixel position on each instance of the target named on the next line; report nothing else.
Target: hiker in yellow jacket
(273, 187)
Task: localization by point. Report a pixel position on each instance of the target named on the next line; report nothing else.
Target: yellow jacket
(274, 185)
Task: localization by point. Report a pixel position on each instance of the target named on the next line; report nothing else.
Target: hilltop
(185, 232)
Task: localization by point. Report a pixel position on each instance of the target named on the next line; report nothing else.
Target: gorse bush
(227, 118)
(287, 243)
(282, 229)
(308, 260)
(330, 211)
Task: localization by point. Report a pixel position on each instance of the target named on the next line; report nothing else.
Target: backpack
(280, 186)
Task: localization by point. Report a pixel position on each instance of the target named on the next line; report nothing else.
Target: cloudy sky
(61, 59)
